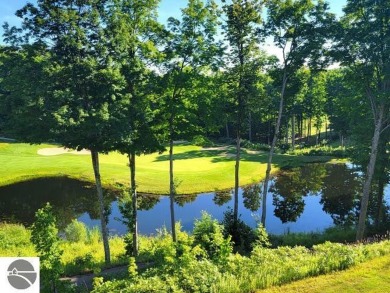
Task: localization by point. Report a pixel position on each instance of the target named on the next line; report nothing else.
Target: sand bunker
(60, 151)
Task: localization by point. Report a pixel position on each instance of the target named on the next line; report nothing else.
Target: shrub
(12, 235)
(202, 141)
(209, 235)
(76, 232)
(241, 234)
(255, 146)
(45, 239)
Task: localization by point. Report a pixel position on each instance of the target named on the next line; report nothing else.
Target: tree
(243, 19)
(362, 45)
(134, 47)
(190, 48)
(24, 115)
(84, 91)
(299, 28)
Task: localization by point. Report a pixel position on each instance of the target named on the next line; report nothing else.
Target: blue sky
(167, 8)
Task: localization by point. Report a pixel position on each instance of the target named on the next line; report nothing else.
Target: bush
(209, 235)
(76, 232)
(44, 236)
(255, 146)
(13, 235)
(241, 234)
(202, 141)
(338, 152)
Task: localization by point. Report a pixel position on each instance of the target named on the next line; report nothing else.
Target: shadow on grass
(228, 155)
(195, 154)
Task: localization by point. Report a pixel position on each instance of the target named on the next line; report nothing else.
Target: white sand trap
(60, 151)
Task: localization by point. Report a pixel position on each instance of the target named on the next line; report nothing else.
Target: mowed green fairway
(195, 169)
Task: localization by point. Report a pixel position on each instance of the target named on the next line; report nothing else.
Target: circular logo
(21, 274)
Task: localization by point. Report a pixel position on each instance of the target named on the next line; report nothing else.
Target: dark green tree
(242, 23)
(299, 29)
(133, 46)
(84, 93)
(362, 44)
(190, 49)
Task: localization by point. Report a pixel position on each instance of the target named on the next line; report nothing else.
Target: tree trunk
(227, 131)
(237, 176)
(381, 190)
(172, 188)
(287, 130)
(293, 132)
(326, 128)
(250, 127)
(369, 175)
(133, 190)
(95, 164)
(271, 152)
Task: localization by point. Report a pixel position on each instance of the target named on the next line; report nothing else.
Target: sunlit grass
(372, 276)
(195, 169)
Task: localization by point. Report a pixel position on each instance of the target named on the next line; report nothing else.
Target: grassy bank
(196, 169)
(371, 276)
(205, 262)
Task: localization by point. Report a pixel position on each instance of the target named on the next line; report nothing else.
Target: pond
(305, 199)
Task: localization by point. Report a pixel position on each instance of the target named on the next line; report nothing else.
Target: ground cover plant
(203, 261)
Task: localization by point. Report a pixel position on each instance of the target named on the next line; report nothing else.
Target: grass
(371, 276)
(196, 169)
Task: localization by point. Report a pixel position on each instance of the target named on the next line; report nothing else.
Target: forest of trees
(106, 75)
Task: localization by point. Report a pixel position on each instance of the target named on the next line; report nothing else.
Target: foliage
(208, 234)
(45, 239)
(337, 152)
(202, 141)
(241, 234)
(262, 238)
(334, 234)
(76, 231)
(186, 267)
(254, 146)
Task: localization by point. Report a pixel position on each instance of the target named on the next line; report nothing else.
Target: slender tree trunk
(293, 132)
(172, 188)
(326, 128)
(269, 132)
(237, 175)
(301, 133)
(95, 164)
(227, 130)
(271, 152)
(133, 190)
(381, 190)
(369, 175)
(250, 127)
(287, 130)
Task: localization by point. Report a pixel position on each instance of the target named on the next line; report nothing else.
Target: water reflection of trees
(340, 195)
(291, 186)
(70, 198)
(181, 200)
(147, 201)
(251, 197)
(339, 187)
(222, 197)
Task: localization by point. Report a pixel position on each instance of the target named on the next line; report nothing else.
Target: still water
(309, 198)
